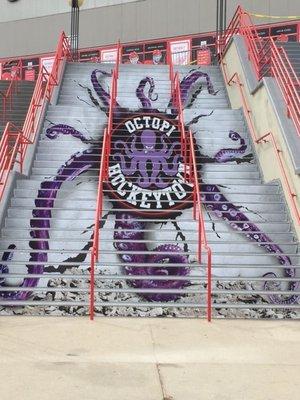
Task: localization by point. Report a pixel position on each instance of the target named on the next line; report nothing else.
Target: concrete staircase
(293, 51)
(20, 103)
(62, 221)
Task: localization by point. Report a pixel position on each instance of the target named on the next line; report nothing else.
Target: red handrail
(118, 58)
(189, 157)
(13, 146)
(63, 50)
(103, 176)
(198, 215)
(267, 59)
(288, 82)
(113, 100)
(247, 112)
(278, 153)
(177, 103)
(12, 87)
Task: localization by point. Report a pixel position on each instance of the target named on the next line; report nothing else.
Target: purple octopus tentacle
(129, 231)
(126, 170)
(7, 256)
(188, 81)
(103, 95)
(54, 131)
(225, 155)
(146, 101)
(174, 168)
(151, 90)
(195, 120)
(168, 151)
(186, 85)
(40, 223)
(219, 205)
(130, 151)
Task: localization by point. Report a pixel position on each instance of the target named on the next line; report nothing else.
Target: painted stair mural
(148, 264)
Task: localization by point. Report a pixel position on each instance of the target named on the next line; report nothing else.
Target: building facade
(33, 26)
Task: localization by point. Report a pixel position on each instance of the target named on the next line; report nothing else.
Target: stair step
(83, 225)
(206, 173)
(218, 167)
(83, 204)
(75, 233)
(69, 212)
(238, 259)
(239, 197)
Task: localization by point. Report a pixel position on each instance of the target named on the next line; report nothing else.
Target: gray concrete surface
(148, 359)
(33, 26)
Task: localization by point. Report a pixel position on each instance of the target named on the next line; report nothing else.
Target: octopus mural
(146, 156)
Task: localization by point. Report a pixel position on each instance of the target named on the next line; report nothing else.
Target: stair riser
(107, 247)
(254, 189)
(74, 235)
(90, 214)
(90, 195)
(90, 205)
(218, 167)
(82, 225)
(206, 174)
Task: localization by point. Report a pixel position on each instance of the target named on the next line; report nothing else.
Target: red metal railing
(267, 59)
(15, 141)
(198, 215)
(103, 176)
(189, 157)
(288, 82)
(177, 104)
(269, 137)
(119, 58)
(7, 97)
(12, 147)
(63, 50)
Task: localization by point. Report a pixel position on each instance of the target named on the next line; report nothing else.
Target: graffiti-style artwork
(148, 234)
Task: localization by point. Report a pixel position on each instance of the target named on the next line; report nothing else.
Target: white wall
(127, 20)
(24, 9)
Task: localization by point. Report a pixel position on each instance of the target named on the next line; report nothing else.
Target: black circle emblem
(146, 171)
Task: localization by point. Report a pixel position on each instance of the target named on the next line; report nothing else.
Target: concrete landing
(148, 359)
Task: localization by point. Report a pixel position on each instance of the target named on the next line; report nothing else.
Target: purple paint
(129, 229)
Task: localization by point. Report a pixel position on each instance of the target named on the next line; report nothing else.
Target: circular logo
(146, 172)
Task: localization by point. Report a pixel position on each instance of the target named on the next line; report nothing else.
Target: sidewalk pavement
(148, 359)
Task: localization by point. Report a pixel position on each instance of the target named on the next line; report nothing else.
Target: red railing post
(202, 241)
(103, 176)
(92, 286)
(118, 58)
